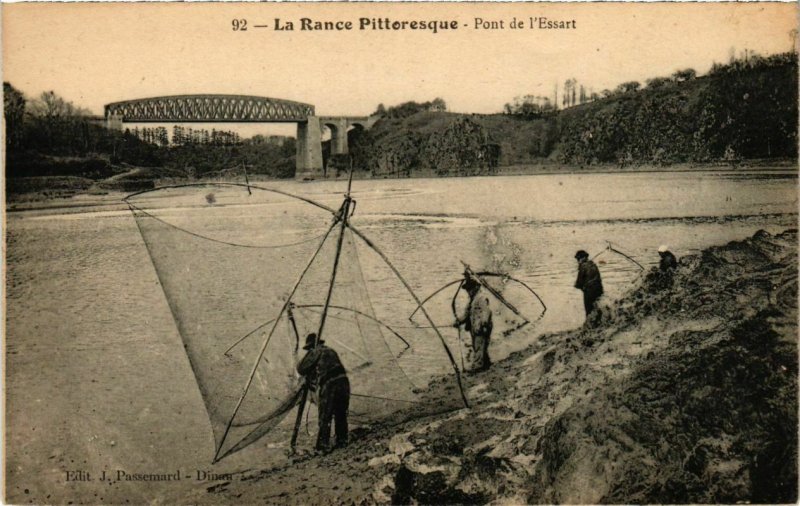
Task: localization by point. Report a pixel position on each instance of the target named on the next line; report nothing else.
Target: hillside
(685, 393)
(742, 111)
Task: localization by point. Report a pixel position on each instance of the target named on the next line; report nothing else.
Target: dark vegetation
(740, 111)
(54, 146)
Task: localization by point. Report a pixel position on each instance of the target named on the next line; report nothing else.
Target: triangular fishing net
(246, 273)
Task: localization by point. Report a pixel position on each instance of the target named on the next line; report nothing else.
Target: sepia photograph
(400, 253)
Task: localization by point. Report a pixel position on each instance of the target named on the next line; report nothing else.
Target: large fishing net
(246, 272)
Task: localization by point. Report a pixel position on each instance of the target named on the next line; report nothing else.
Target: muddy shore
(685, 393)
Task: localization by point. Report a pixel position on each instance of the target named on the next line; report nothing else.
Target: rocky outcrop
(457, 146)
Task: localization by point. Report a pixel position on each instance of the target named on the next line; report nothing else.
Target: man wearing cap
(668, 260)
(478, 321)
(325, 373)
(589, 282)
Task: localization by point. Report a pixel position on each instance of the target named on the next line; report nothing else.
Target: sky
(93, 54)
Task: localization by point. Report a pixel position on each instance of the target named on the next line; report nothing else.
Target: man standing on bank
(590, 283)
(478, 321)
(325, 373)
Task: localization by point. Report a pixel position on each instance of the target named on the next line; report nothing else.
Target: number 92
(239, 25)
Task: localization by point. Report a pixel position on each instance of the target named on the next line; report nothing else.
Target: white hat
(663, 248)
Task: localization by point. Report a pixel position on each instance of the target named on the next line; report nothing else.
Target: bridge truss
(210, 108)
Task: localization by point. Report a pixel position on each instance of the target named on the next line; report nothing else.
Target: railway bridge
(245, 109)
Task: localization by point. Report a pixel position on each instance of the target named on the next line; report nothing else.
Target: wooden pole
(458, 324)
(422, 308)
(343, 218)
(626, 256)
(429, 297)
(304, 395)
(266, 341)
(494, 292)
(246, 180)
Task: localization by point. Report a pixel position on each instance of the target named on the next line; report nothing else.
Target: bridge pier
(308, 163)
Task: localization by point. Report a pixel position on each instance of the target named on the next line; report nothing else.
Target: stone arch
(338, 136)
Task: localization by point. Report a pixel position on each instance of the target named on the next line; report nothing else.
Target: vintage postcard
(400, 253)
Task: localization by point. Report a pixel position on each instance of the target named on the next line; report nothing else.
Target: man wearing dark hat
(478, 321)
(589, 281)
(325, 373)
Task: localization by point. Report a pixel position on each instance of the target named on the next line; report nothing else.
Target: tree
(657, 82)
(14, 112)
(529, 106)
(628, 86)
(684, 75)
(50, 106)
(438, 104)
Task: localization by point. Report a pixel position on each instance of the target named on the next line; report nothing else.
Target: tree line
(48, 135)
(410, 108)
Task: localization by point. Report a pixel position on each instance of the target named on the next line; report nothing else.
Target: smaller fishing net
(514, 304)
(247, 277)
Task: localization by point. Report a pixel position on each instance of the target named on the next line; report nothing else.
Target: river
(97, 378)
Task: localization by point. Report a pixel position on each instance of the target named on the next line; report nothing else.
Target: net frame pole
(614, 250)
(343, 218)
(400, 277)
(304, 395)
(429, 297)
(336, 258)
(217, 456)
(457, 323)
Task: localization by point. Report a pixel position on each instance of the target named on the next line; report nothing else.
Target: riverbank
(686, 392)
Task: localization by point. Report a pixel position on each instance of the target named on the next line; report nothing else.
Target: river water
(97, 378)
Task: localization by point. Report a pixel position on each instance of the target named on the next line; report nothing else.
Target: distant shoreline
(787, 166)
(96, 197)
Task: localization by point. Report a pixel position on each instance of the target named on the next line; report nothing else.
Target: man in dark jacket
(325, 373)
(589, 282)
(478, 321)
(668, 261)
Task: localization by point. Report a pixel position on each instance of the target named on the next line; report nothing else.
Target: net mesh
(229, 264)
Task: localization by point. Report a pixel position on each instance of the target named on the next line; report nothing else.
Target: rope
(247, 335)
(219, 241)
(333, 306)
(273, 190)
